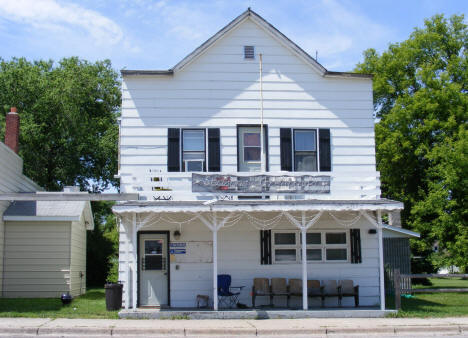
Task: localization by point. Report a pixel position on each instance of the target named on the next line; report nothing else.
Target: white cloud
(50, 15)
(339, 32)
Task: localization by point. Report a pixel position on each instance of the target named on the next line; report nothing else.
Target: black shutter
(267, 162)
(286, 149)
(355, 246)
(325, 149)
(173, 149)
(265, 247)
(214, 150)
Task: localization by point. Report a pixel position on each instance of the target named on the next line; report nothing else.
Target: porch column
(214, 227)
(304, 226)
(127, 264)
(215, 268)
(305, 298)
(135, 264)
(381, 261)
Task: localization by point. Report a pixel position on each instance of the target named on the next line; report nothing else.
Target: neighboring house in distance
(224, 192)
(42, 243)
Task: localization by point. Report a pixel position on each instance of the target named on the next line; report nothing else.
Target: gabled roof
(248, 14)
(50, 211)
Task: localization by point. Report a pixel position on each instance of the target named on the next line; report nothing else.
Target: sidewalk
(305, 327)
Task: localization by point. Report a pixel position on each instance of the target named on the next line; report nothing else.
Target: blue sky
(144, 34)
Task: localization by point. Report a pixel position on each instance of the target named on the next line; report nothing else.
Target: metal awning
(256, 206)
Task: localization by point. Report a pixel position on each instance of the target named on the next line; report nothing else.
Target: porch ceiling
(256, 206)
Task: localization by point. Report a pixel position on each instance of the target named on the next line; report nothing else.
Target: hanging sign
(305, 184)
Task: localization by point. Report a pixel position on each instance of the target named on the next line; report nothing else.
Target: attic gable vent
(249, 52)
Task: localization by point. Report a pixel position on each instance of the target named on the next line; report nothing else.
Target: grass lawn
(90, 305)
(435, 304)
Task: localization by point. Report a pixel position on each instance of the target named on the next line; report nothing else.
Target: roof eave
(138, 72)
(329, 73)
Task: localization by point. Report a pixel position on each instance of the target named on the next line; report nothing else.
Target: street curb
(183, 331)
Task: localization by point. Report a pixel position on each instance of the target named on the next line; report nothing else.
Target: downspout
(262, 141)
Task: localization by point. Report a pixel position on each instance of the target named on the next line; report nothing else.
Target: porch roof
(256, 206)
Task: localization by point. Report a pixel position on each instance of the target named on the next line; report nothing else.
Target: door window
(153, 259)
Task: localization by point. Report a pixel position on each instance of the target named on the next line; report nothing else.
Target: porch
(236, 225)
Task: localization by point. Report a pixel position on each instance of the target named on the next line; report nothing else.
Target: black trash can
(113, 296)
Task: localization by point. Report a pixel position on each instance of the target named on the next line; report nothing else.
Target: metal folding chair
(226, 297)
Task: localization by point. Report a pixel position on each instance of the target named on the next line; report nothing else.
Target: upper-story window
(193, 149)
(249, 148)
(305, 149)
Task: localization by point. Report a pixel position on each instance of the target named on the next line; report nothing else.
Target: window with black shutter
(306, 150)
(187, 150)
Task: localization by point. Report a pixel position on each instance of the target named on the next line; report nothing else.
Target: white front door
(153, 270)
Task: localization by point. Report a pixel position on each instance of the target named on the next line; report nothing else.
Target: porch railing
(154, 184)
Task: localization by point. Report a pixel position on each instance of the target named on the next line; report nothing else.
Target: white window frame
(183, 167)
(323, 246)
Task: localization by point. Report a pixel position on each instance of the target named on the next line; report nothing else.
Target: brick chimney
(12, 130)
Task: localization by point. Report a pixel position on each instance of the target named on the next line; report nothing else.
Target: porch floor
(259, 313)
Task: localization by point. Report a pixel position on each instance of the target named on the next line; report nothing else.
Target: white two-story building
(248, 155)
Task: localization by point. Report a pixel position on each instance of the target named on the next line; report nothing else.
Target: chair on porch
(330, 289)
(226, 296)
(313, 288)
(295, 287)
(261, 287)
(347, 288)
(279, 288)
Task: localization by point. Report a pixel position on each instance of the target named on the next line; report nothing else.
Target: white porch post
(381, 261)
(305, 298)
(214, 227)
(127, 263)
(135, 263)
(215, 268)
(303, 226)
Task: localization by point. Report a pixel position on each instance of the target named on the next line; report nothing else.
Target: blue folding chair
(226, 296)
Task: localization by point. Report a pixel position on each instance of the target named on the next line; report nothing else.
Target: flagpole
(262, 145)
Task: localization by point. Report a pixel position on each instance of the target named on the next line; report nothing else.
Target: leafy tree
(420, 97)
(102, 246)
(68, 116)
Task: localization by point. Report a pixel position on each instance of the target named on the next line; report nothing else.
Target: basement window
(249, 52)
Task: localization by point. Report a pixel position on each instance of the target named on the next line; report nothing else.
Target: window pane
(314, 254)
(252, 139)
(153, 247)
(192, 166)
(251, 154)
(285, 238)
(314, 238)
(336, 238)
(305, 162)
(193, 140)
(336, 254)
(194, 156)
(304, 140)
(285, 255)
